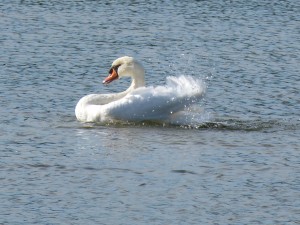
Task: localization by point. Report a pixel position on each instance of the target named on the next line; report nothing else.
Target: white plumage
(139, 103)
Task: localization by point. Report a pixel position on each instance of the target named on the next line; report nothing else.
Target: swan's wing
(158, 103)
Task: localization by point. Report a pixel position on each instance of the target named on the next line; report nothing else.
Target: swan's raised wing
(158, 103)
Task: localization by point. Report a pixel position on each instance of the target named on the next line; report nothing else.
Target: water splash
(198, 119)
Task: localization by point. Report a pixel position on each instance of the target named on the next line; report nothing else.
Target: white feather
(139, 103)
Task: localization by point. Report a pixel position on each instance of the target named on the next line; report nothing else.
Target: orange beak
(113, 74)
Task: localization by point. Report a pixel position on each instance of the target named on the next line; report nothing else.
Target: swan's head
(125, 66)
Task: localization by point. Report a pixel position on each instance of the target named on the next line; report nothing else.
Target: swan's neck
(137, 81)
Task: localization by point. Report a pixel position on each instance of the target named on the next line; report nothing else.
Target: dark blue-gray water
(241, 165)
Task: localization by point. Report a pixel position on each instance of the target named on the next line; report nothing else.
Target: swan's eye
(117, 67)
(114, 68)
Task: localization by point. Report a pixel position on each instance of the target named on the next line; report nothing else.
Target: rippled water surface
(239, 165)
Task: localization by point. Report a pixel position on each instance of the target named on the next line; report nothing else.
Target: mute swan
(139, 103)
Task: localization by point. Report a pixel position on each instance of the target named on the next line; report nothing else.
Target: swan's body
(138, 102)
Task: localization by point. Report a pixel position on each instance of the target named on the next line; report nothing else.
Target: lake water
(240, 165)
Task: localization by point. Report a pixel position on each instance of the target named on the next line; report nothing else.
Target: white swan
(139, 103)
